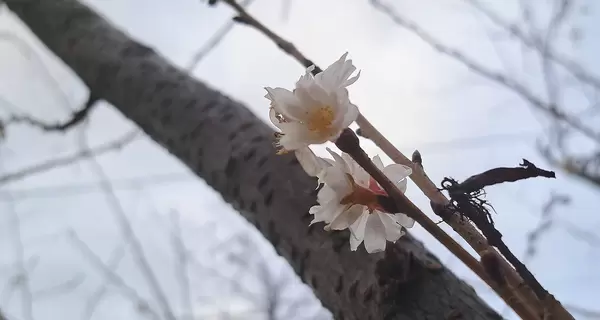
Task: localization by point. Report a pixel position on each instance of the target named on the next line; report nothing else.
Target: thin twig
(70, 159)
(136, 247)
(112, 276)
(23, 274)
(216, 38)
(535, 43)
(546, 222)
(94, 299)
(76, 117)
(485, 72)
(182, 265)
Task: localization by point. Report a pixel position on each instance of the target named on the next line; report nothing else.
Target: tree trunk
(225, 144)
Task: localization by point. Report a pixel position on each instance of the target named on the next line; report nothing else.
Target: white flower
(317, 110)
(349, 200)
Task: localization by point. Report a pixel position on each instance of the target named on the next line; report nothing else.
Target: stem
(348, 142)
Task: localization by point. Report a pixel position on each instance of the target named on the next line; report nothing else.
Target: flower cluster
(317, 111)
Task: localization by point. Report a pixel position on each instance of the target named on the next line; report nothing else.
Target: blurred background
(99, 222)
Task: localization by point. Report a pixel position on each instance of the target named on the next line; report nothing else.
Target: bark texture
(225, 144)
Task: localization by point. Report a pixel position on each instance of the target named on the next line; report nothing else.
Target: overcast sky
(461, 124)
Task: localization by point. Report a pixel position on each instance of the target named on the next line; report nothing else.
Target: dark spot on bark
(245, 126)
(262, 161)
(147, 67)
(272, 232)
(293, 253)
(304, 261)
(232, 135)
(226, 117)
(214, 177)
(127, 82)
(256, 139)
(160, 86)
(253, 206)
(136, 50)
(209, 106)
(353, 289)
(262, 182)
(190, 104)
(269, 198)
(368, 294)
(230, 167)
(166, 102)
(235, 191)
(340, 315)
(314, 282)
(250, 155)
(339, 285)
(165, 118)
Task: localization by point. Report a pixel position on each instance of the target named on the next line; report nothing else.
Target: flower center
(320, 119)
(364, 196)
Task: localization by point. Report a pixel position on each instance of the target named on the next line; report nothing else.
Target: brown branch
(500, 175)
(349, 143)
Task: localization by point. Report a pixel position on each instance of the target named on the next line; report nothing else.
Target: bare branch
(494, 176)
(76, 117)
(112, 276)
(214, 40)
(61, 288)
(485, 72)
(182, 272)
(535, 43)
(94, 299)
(22, 279)
(136, 247)
(67, 160)
(545, 224)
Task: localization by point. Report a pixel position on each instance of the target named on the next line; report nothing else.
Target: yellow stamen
(320, 120)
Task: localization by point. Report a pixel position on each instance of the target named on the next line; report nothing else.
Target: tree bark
(228, 146)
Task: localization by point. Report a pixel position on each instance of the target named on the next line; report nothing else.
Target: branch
(499, 175)
(65, 161)
(136, 247)
(535, 43)
(76, 118)
(112, 276)
(485, 72)
(214, 40)
(348, 142)
(23, 279)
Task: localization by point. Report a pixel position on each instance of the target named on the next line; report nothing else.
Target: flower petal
(393, 230)
(347, 218)
(403, 220)
(311, 164)
(339, 161)
(378, 163)
(374, 234)
(357, 231)
(337, 180)
(286, 103)
(397, 172)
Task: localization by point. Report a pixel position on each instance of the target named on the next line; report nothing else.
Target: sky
(461, 123)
